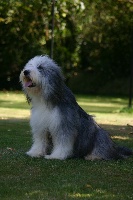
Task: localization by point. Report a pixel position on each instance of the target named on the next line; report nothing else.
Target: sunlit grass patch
(13, 106)
(79, 195)
(120, 137)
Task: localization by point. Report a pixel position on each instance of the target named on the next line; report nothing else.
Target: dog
(61, 129)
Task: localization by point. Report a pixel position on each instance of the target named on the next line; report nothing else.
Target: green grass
(23, 178)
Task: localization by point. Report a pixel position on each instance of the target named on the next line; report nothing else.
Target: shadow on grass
(122, 135)
(99, 99)
(13, 104)
(23, 177)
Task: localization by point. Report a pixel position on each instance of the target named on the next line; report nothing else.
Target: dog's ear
(52, 85)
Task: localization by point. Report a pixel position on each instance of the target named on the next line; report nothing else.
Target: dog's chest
(44, 119)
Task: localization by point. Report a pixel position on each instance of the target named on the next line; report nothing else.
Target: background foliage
(92, 41)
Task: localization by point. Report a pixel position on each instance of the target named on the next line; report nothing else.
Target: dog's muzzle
(27, 80)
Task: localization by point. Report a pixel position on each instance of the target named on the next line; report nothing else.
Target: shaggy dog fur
(57, 120)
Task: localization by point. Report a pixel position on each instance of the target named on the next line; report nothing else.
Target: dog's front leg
(62, 147)
(39, 146)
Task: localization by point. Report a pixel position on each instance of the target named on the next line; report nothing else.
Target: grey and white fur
(57, 119)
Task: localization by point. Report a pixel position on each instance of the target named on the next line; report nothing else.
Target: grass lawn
(23, 178)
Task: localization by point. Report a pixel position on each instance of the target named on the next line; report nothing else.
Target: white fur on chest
(44, 118)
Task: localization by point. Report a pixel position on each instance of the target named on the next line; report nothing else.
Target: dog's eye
(40, 68)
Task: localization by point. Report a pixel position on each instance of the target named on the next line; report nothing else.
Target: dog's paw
(92, 157)
(34, 154)
(54, 157)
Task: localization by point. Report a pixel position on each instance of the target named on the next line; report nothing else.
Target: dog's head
(41, 75)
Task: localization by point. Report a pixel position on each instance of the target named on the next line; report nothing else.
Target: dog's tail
(105, 148)
(124, 152)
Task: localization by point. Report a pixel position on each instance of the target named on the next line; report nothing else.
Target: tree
(89, 36)
(26, 32)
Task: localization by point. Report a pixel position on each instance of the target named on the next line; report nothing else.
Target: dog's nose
(26, 72)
